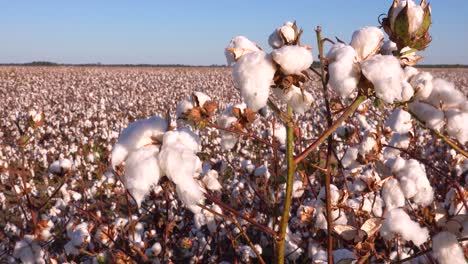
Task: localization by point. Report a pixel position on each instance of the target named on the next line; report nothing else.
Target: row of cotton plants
(216, 165)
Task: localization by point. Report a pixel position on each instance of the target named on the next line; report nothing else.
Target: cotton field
(62, 200)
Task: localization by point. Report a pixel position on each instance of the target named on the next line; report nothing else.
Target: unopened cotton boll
(415, 13)
(238, 47)
(343, 70)
(431, 116)
(293, 59)
(446, 249)
(387, 82)
(142, 172)
(136, 135)
(367, 41)
(253, 76)
(397, 221)
(422, 84)
(457, 125)
(399, 121)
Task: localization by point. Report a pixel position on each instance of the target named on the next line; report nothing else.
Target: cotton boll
(367, 41)
(392, 194)
(350, 157)
(142, 172)
(415, 12)
(433, 117)
(445, 96)
(342, 255)
(136, 135)
(280, 133)
(293, 59)
(422, 84)
(446, 249)
(407, 91)
(399, 121)
(299, 100)
(398, 222)
(457, 125)
(285, 33)
(343, 70)
(388, 47)
(367, 144)
(253, 76)
(182, 136)
(190, 194)
(28, 250)
(414, 183)
(298, 189)
(387, 83)
(410, 72)
(242, 46)
(211, 181)
(182, 107)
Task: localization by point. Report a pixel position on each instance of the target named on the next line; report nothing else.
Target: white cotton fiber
(414, 183)
(228, 140)
(343, 69)
(243, 45)
(136, 135)
(350, 157)
(446, 249)
(388, 47)
(457, 125)
(253, 76)
(142, 171)
(392, 194)
(293, 59)
(431, 116)
(397, 221)
(422, 84)
(367, 41)
(387, 83)
(299, 100)
(445, 96)
(281, 34)
(407, 91)
(399, 121)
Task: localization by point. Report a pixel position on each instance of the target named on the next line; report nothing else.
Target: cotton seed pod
(407, 24)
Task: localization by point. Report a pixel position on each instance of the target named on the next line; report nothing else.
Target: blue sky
(195, 32)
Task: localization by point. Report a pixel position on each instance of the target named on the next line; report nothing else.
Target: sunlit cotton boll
(300, 101)
(446, 249)
(457, 125)
(398, 222)
(253, 76)
(367, 41)
(238, 47)
(392, 194)
(281, 34)
(343, 70)
(386, 75)
(138, 134)
(399, 121)
(431, 116)
(422, 84)
(444, 95)
(187, 104)
(142, 171)
(28, 250)
(227, 118)
(388, 47)
(293, 59)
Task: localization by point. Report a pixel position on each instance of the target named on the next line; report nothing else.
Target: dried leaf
(347, 232)
(210, 107)
(372, 225)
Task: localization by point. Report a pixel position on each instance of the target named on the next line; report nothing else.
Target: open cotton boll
(78, 236)
(136, 135)
(187, 104)
(387, 83)
(446, 249)
(211, 181)
(281, 34)
(279, 132)
(410, 72)
(142, 171)
(407, 91)
(253, 76)
(183, 136)
(457, 125)
(415, 13)
(414, 183)
(422, 84)
(367, 144)
(397, 221)
(190, 193)
(229, 140)
(399, 121)
(299, 100)
(367, 41)
(243, 46)
(350, 157)
(28, 250)
(293, 59)
(392, 194)
(432, 117)
(343, 70)
(444, 95)
(388, 47)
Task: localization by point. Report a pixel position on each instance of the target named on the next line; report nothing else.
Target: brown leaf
(372, 225)
(347, 232)
(210, 107)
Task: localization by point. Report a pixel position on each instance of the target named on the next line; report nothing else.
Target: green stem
(281, 239)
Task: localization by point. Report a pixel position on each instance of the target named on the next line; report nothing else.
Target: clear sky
(195, 32)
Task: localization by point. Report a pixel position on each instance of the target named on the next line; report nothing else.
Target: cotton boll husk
(422, 84)
(398, 222)
(392, 194)
(293, 59)
(399, 121)
(253, 76)
(366, 41)
(446, 249)
(142, 171)
(240, 42)
(387, 83)
(137, 135)
(433, 117)
(445, 96)
(457, 125)
(416, 15)
(343, 70)
(276, 41)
